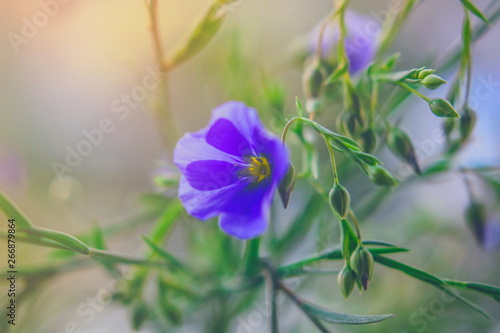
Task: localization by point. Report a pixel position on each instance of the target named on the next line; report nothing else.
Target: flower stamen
(258, 168)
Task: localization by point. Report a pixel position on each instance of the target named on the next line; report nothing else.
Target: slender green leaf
(428, 278)
(371, 242)
(343, 318)
(166, 221)
(201, 35)
(170, 259)
(119, 258)
(98, 238)
(31, 239)
(59, 237)
(13, 212)
(299, 107)
(486, 289)
(474, 10)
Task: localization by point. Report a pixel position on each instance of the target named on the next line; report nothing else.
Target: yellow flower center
(258, 168)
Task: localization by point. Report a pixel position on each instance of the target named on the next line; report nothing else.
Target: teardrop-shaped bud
(340, 199)
(432, 81)
(400, 144)
(476, 216)
(346, 280)
(424, 73)
(380, 176)
(362, 264)
(287, 185)
(442, 108)
(467, 123)
(368, 140)
(312, 79)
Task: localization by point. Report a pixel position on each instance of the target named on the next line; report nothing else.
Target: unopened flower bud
(442, 108)
(312, 79)
(340, 200)
(361, 263)
(424, 73)
(140, 313)
(380, 176)
(346, 280)
(368, 140)
(476, 219)
(400, 144)
(432, 82)
(287, 185)
(349, 123)
(467, 123)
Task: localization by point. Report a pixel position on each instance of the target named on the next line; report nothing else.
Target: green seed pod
(424, 73)
(312, 79)
(287, 185)
(361, 263)
(400, 144)
(442, 108)
(140, 313)
(432, 82)
(340, 199)
(380, 176)
(346, 280)
(351, 124)
(467, 123)
(476, 216)
(368, 140)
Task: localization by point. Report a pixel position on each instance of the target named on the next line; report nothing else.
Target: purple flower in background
(231, 169)
(360, 42)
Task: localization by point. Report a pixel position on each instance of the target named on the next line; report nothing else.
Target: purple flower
(231, 169)
(360, 42)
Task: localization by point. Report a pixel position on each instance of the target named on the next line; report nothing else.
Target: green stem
(355, 221)
(300, 304)
(332, 160)
(390, 32)
(272, 281)
(251, 257)
(413, 91)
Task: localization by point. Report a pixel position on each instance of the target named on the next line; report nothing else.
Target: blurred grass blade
(201, 35)
(474, 10)
(343, 318)
(60, 237)
(170, 259)
(428, 278)
(166, 220)
(13, 212)
(40, 241)
(118, 258)
(98, 240)
(300, 225)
